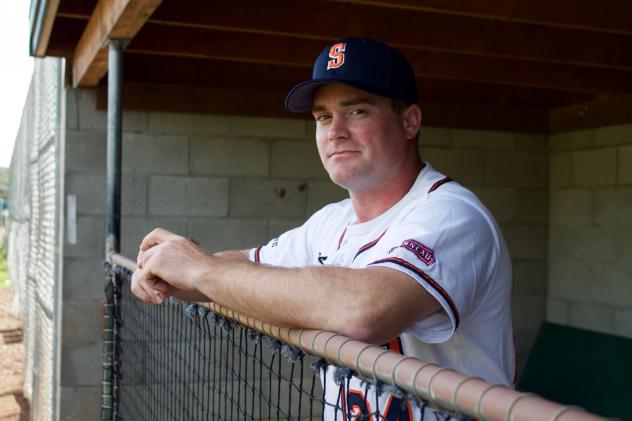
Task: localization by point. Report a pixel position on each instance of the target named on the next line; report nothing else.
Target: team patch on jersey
(425, 254)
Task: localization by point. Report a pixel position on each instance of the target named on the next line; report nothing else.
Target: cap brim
(301, 97)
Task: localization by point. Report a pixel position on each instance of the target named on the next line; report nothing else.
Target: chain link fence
(33, 229)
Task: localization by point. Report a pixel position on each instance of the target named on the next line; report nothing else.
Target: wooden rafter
(111, 19)
(613, 16)
(290, 51)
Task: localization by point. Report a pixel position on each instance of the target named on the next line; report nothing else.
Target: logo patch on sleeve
(425, 254)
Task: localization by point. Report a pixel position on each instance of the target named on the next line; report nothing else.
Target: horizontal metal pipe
(445, 387)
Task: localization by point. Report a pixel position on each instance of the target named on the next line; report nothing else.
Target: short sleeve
(290, 249)
(447, 246)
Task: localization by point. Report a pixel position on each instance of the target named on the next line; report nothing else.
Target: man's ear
(411, 119)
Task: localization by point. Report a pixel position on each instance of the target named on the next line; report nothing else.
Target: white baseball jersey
(444, 238)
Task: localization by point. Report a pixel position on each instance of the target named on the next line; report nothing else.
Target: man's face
(362, 142)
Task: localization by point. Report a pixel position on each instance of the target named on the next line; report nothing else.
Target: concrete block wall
(590, 246)
(226, 182)
(508, 172)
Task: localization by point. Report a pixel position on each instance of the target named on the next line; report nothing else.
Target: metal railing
(428, 386)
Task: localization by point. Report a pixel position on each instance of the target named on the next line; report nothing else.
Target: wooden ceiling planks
(511, 57)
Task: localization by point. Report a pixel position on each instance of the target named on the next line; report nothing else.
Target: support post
(115, 125)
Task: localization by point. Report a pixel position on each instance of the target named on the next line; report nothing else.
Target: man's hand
(169, 265)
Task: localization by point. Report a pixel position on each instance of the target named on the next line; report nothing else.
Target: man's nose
(338, 129)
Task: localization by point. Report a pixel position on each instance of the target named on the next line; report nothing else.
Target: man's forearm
(372, 304)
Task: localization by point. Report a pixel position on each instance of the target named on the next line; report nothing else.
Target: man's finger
(142, 290)
(157, 236)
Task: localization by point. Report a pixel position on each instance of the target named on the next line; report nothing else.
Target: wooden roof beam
(612, 16)
(175, 41)
(589, 115)
(111, 19)
(417, 29)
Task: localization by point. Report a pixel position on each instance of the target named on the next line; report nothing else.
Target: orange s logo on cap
(337, 55)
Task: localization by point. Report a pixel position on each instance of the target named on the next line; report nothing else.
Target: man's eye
(357, 111)
(321, 117)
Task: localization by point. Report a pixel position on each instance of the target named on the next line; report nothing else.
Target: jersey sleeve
(294, 248)
(290, 249)
(448, 248)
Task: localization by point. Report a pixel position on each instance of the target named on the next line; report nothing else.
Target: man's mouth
(341, 153)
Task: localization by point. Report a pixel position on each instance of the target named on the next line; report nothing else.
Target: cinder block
(558, 246)
(499, 200)
(484, 139)
(624, 246)
(188, 196)
(80, 403)
(84, 278)
(560, 169)
(624, 175)
(557, 311)
(321, 193)
(464, 165)
(599, 318)
(528, 312)
(82, 322)
(624, 206)
(594, 167)
(72, 110)
(134, 191)
(620, 134)
(90, 238)
(89, 116)
(310, 130)
(81, 365)
(92, 118)
(89, 190)
(530, 142)
(604, 206)
(135, 228)
(530, 278)
(515, 169)
(277, 227)
(268, 198)
(590, 282)
(229, 156)
(532, 206)
(596, 244)
(526, 242)
(435, 136)
(571, 207)
(155, 154)
(296, 160)
(188, 124)
(275, 128)
(572, 140)
(86, 151)
(591, 244)
(135, 121)
(623, 322)
(229, 234)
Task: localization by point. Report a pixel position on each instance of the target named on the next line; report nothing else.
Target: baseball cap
(365, 64)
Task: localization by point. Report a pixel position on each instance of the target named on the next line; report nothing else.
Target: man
(412, 259)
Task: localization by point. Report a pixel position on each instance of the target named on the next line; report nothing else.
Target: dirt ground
(13, 406)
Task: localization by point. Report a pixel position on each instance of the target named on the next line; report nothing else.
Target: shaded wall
(590, 248)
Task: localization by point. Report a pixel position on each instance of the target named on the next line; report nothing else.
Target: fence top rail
(441, 386)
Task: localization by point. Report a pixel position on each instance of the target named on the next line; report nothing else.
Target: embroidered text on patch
(425, 254)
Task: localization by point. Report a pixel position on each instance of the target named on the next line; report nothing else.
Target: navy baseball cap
(368, 65)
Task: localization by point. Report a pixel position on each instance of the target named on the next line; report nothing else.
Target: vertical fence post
(110, 335)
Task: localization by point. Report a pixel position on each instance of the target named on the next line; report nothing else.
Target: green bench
(580, 367)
